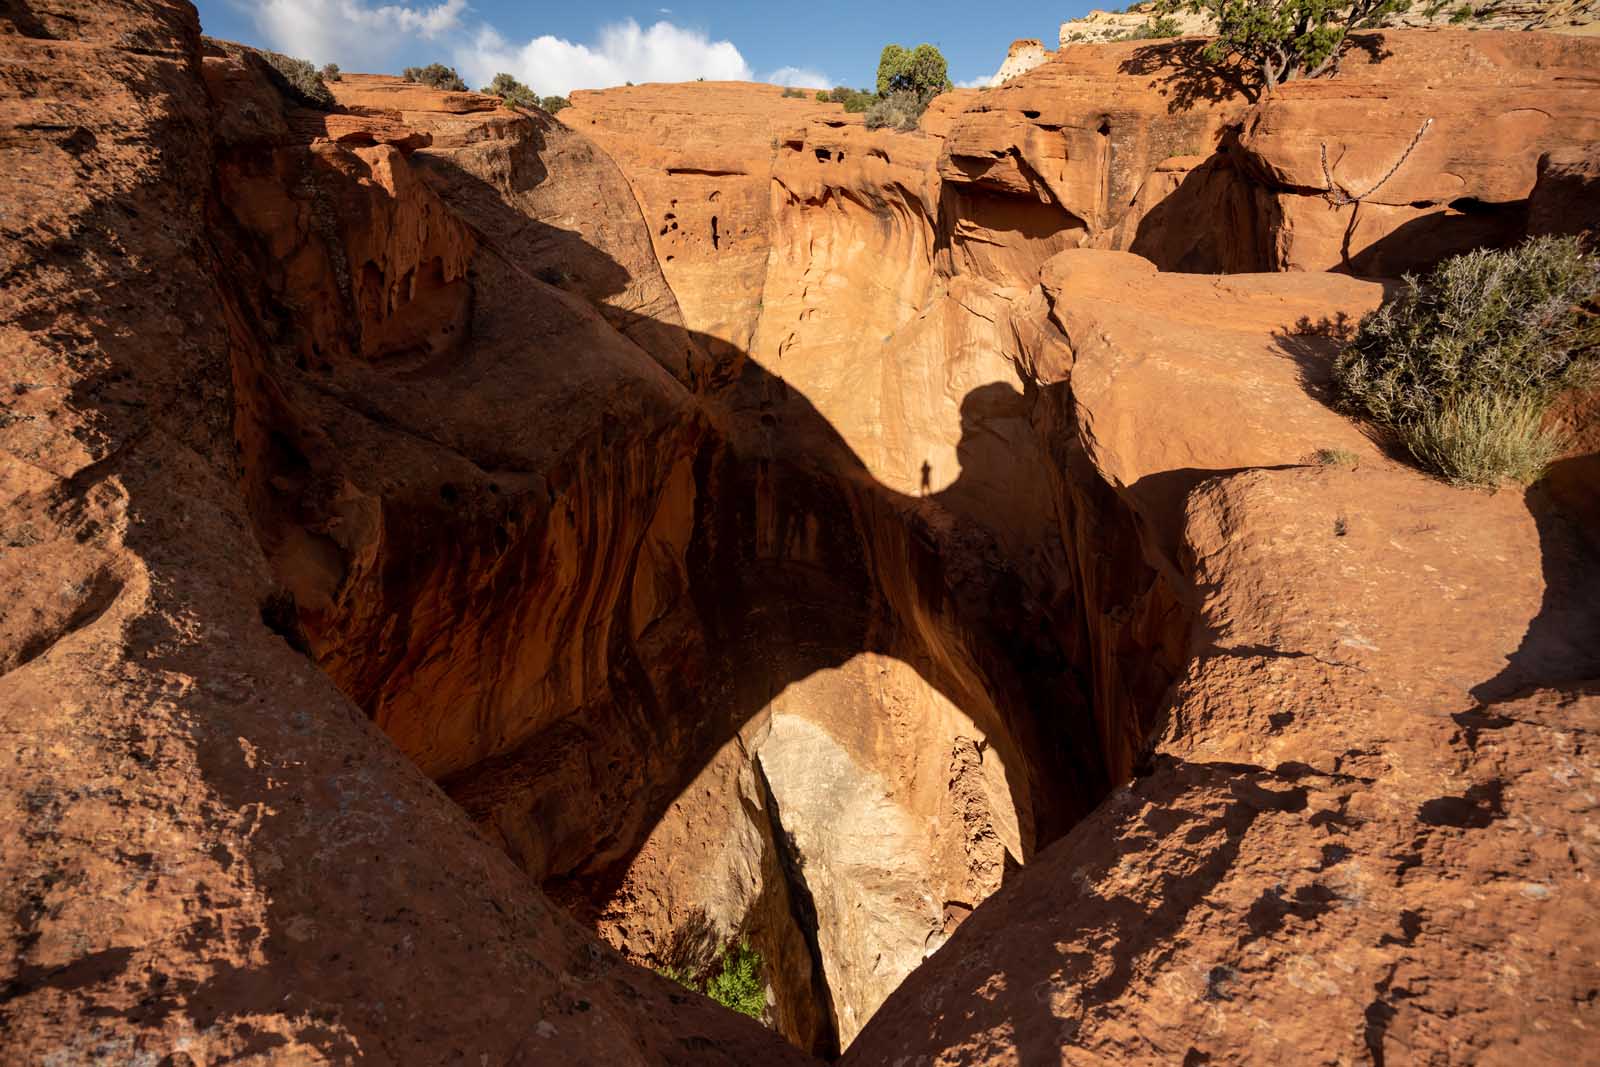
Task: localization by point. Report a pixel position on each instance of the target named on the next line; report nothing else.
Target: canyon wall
(761, 527)
(1089, 151)
(209, 851)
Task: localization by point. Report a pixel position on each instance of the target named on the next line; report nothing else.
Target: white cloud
(372, 35)
(624, 51)
(982, 82)
(799, 77)
(354, 33)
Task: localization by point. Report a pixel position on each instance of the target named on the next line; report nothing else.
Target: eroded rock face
(1149, 156)
(1574, 17)
(900, 574)
(209, 853)
(1305, 829)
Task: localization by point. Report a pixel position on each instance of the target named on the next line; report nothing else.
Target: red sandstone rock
(987, 524)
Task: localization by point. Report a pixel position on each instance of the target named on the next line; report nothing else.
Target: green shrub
(1157, 28)
(823, 97)
(330, 72)
(897, 111)
(921, 70)
(300, 79)
(739, 985)
(1485, 440)
(553, 104)
(1462, 365)
(854, 100)
(436, 76)
(1462, 14)
(511, 91)
(792, 93)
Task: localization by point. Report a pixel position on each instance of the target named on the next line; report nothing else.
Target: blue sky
(558, 47)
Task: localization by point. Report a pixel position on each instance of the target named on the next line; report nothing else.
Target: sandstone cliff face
(1023, 173)
(863, 572)
(209, 853)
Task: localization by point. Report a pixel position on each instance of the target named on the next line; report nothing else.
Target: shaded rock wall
(209, 853)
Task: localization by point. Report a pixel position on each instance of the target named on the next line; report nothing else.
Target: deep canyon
(457, 560)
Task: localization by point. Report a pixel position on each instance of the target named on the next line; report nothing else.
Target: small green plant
(330, 72)
(823, 97)
(553, 104)
(436, 76)
(301, 80)
(1462, 366)
(511, 92)
(855, 101)
(792, 93)
(1157, 27)
(737, 982)
(738, 985)
(1462, 14)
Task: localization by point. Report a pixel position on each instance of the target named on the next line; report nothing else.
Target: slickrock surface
(426, 523)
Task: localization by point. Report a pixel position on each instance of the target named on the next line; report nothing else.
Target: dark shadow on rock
(1199, 815)
(1419, 245)
(799, 560)
(1212, 223)
(1188, 78)
(1562, 643)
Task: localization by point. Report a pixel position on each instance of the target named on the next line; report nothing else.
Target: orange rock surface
(450, 557)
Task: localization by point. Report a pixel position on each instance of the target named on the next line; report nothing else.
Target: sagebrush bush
(330, 72)
(792, 93)
(553, 104)
(436, 76)
(854, 100)
(897, 111)
(1484, 440)
(511, 91)
(301, 78)
(1486, 341)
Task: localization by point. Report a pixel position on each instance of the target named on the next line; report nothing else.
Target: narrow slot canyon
(506, 555)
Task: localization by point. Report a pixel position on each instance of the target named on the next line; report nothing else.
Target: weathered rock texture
(209, 853)
(1581, 17)
(795, 574)
(1346, 806)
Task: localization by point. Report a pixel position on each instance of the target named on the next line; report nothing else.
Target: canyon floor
(459, 563)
